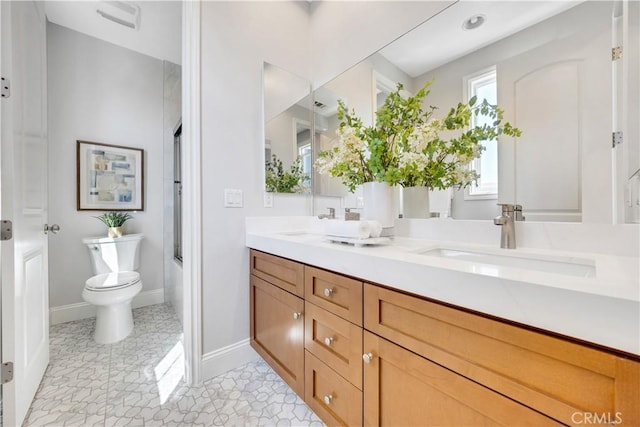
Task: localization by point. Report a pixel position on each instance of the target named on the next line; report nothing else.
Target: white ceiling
(442, 39)
(159, 35)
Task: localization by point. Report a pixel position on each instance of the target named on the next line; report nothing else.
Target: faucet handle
(506, 208)
(517, 209)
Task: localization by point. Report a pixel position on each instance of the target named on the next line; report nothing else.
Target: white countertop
(604, 309)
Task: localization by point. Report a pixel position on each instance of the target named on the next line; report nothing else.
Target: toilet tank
(114, 254)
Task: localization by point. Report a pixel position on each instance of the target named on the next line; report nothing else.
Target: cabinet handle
(328, 399)
(367, 357)
(328, 340)
(328, 292)
(296, 315)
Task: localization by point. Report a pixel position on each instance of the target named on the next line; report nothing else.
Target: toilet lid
(111, 281)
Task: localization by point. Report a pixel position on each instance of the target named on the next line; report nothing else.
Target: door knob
(54, 228)
(296, 316)
(367, 357)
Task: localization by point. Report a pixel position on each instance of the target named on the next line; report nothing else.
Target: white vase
(380, 203)
(415, 202)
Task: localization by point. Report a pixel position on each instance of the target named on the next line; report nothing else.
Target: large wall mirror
(549, 66)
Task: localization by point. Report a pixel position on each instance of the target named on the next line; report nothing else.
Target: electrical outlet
(232, 198)
(268, 200)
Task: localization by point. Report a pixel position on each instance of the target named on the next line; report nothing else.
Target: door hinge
(6, 230)
(616, 138)
(616, 53)
(6, 88)
(6, 373)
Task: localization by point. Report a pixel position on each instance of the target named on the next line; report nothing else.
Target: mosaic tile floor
(138, 382)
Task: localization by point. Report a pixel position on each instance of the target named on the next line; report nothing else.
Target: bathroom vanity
(338, 325)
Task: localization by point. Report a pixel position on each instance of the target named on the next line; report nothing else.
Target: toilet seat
(112, 281)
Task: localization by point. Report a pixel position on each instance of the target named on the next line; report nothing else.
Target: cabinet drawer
(335, 341)
(287, 274)
(404, 389)
(551, 375)
(338, 294)
(335, 400)
(277, 329)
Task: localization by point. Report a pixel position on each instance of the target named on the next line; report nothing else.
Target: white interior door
(559, 94)
(25, 287)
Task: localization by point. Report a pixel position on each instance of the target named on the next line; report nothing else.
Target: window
(484, 86)
(177, 195)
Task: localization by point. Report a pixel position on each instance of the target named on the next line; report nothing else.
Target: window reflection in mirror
(553, 79)
(288, 115)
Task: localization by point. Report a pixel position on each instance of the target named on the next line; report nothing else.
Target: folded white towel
(352, 229)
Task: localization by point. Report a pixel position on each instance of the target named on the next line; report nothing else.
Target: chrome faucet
(510, 214)
(330, 215)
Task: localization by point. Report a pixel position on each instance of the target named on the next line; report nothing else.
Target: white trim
(227, 358)
(84, 310)
(192, 201)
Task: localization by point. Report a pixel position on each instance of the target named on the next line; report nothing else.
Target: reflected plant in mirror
(409, 147)
(279, 180)
(287, 126)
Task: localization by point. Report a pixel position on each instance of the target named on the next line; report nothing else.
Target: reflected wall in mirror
(548, 65)
(288, 118)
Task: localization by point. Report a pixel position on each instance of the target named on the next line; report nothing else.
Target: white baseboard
(227, 358)
(83, 310)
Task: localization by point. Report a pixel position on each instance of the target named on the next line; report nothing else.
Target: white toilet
(114, 261)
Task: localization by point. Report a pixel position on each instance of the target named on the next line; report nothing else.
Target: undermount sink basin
(558, 265)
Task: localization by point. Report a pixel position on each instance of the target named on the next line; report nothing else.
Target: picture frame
(109, 177)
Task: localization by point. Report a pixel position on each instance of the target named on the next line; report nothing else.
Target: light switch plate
(232, 198)
(268, 200)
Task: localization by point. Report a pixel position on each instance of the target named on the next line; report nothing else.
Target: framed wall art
(109, 177)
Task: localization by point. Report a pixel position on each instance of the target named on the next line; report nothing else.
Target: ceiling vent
(120, 12)
(319, 104)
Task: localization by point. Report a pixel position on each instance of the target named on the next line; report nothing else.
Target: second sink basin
(577, 267)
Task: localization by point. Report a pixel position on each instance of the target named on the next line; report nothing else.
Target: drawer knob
(328, 399)
(367, 357)
(328, 292)
(328, 340)
(296, 316)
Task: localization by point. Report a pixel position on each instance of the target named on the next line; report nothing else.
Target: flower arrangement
(408, 147)
(280, 181)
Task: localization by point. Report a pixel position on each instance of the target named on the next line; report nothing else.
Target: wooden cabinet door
(277, 331)
(549, 374)
(404, 389)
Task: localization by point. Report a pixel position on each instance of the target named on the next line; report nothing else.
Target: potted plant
(115, 221)
(408, 147)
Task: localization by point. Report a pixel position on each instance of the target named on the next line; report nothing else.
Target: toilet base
(113, 323)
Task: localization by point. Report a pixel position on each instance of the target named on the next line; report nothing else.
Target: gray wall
(101, 93)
